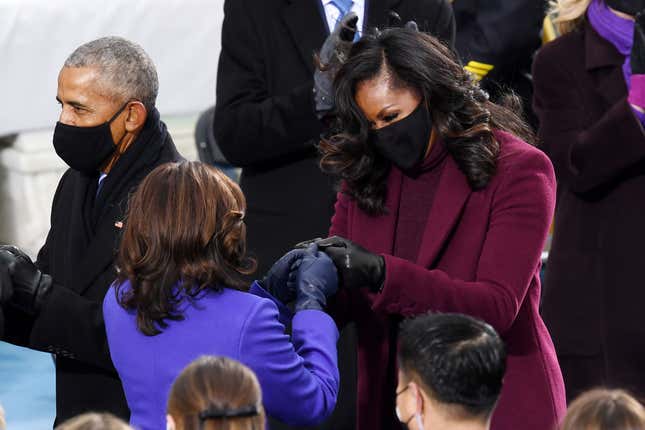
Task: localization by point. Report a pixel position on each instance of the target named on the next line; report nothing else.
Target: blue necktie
(344, 6)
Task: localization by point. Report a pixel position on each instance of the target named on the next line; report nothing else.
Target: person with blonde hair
(94, 421)
(590, 101)
(602, 409)
(215, 393)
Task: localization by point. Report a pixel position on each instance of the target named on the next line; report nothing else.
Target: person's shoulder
(68, 180)
(112, 309)
(241, 302)
(117, 290)
(563, 49)
(515, 154)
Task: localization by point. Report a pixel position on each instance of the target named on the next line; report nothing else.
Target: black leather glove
(332, 55)
(29, 286)
(277, 280)
(357, 267)
(316, 280)
(637, 57)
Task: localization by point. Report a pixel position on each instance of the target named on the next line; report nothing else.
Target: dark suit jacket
(264, 117)
(594, 295)
(479, 255)
(70, 325)
(504, 34)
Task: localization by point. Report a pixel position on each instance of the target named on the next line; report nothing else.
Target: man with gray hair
(111, 136)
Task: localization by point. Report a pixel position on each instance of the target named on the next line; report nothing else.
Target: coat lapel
(307, 27)
(450, 198)
(604, 63)
(100, 252)
(379, 230)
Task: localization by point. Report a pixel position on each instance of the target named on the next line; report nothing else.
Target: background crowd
(379, 264)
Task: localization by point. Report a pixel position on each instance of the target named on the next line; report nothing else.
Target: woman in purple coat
(180, 295)
(444, 207)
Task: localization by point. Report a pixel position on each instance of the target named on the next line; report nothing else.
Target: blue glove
(277, 280)
(316, 280)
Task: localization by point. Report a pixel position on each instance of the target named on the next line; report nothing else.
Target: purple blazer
(298, 376)
(480, 256)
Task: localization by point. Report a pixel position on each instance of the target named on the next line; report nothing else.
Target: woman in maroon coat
(443, 208)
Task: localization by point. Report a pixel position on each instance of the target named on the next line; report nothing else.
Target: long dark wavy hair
(184, 233)
(462, 115)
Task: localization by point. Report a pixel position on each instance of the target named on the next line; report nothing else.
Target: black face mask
(405, 142)
(630, 7)
(85, 148)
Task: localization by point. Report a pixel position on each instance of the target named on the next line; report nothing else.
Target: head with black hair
(451, 368)
(402, 75)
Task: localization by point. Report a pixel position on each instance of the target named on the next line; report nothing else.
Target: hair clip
(215, 413)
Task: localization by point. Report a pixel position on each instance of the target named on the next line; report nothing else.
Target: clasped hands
(306, 276)
(357, 267)
(311, 273)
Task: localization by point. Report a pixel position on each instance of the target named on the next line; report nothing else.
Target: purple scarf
(620, 33)
(616, 30)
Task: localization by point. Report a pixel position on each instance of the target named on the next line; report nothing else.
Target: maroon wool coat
(594, 296)
(480, 255)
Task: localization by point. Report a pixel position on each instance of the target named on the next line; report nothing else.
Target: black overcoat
(504, 34)
(79, 254)
(594, 294)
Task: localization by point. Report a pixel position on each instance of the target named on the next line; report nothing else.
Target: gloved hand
(332, 55)
(316, 280)
(277, 280)
(637, 60)
(357, 267)
(29, 286)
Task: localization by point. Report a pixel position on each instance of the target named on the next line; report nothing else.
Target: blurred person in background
(451, 372)
(181, 294)
(444, 207)
(3, 422)
(268, 120)
(603, 409)
(496, 41)
(94, 421)
(215, 393)
(589, 98)
(111, 136)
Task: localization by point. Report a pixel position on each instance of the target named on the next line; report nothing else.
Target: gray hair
(126, 71)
